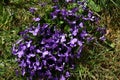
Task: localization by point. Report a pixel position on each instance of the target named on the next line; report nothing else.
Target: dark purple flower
(23, 72)
(45, 53)
(17, 72)
(20, 53)
(35, 31)
(52, 46)
(32, 9)
(67, 74)
(75, 9)
(81, 24)
(36, 19)
(62, 78)
(72, 42)
(83, 34)
(31, 55)
(63, 39)
(53, 15)
(75, 32)
(103, 38)
(102, 30)
(55, 1)
(89, 39)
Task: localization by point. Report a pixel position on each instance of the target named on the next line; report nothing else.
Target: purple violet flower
(36, 19)
(32, 9)
(51, 46)
(62, 78)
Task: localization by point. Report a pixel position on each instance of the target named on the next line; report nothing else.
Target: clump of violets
(48, 48)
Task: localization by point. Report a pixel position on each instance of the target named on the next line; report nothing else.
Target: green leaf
(67, 28)
(80, 10)
(61, 22)
(112, 45)
(94, 6)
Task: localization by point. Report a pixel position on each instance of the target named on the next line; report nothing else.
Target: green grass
(100, 63)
